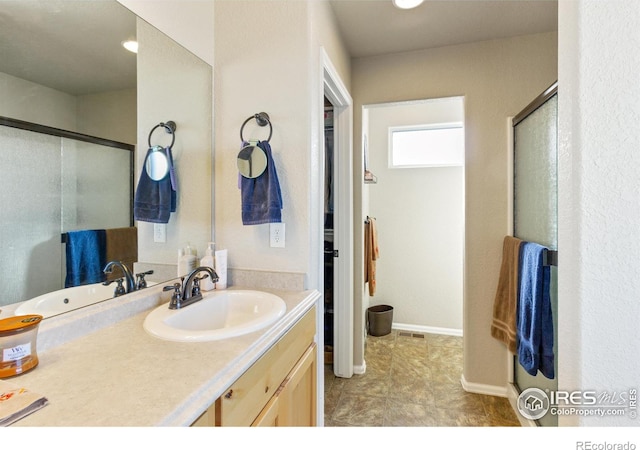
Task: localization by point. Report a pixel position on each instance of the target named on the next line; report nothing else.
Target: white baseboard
(512, 395)
(360, 369)
(510, 392)
(425, 329)
(485, 389)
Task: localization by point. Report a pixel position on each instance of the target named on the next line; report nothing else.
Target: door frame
(335, 91)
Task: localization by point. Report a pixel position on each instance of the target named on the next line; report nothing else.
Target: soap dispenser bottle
(208, 261)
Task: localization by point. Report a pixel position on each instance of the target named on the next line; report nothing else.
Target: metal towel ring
(262, 119)
(170, 127)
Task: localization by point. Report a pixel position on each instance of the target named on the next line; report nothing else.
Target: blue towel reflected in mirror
(86, 252)
(155, 200)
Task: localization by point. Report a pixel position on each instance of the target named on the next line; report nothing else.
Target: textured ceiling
(375, 27)
(71, 46)
(74, 46)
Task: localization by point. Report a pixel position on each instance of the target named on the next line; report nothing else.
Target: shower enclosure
(55, 181)
(535, 200)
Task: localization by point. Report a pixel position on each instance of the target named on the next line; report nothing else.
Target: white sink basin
(64, 300)
(219, 315)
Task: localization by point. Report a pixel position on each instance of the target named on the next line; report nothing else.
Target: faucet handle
(177, 295)
(141, 283)
(196, 284)
(120, 290)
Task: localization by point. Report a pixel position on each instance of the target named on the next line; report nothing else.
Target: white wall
(176, 85)
(265, 69)
(111, 114)
(497, 78)
(188, 22)
(599, 200)
(420, 218)
(55, 108)
(274, 68)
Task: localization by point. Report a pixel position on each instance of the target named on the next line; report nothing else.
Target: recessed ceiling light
(131, 45)
(407, 4)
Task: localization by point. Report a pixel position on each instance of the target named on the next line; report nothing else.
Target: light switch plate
(276, 234)
(159, 232)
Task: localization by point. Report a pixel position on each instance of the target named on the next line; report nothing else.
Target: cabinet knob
(266, 389)
(229, 394)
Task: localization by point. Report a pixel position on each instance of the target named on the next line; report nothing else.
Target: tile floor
(412, 380)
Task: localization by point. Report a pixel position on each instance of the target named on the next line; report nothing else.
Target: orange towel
(371, 254)
(503, 325)
(122, 245)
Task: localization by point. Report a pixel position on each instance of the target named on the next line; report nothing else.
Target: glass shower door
(55, 181)
(535, 202)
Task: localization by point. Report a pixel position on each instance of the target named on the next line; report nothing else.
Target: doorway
(415, 155)
(340, 311)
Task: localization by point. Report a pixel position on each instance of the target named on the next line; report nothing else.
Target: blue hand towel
(86, 252)
(261, 196)
(535, 319)
(155, 200)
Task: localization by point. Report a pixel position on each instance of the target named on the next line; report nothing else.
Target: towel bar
(262, 119)
(551, 258)
(170, 128)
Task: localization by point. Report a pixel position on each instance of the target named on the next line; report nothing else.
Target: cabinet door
(207, 419)
(270, 415)
(297, 394)
(251, 393)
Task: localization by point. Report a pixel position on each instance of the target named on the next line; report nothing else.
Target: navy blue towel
(155, 200)
(535, 319)
(86, 252)
(261, 196)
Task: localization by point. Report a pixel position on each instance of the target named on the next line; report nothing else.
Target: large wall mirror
(63, 67)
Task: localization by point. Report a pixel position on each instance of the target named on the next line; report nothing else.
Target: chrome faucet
(131, 284)
(189, 291)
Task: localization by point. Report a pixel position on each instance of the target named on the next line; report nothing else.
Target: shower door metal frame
(58, 132)
(539, 101)
(535, 104)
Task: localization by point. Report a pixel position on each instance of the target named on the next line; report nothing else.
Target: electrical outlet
(276, 234)
(159, 232)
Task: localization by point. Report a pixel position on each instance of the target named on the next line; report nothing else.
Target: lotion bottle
(187, 261)
(221, 268)
(208, 261)
(182, 268)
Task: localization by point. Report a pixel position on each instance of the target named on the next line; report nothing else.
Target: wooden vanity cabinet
(206, 419)
(294, 404)
(279, 389)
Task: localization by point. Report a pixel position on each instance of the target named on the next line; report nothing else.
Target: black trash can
(380, 318)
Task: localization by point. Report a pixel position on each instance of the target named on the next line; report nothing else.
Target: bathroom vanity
(98, 367)
(278, 390)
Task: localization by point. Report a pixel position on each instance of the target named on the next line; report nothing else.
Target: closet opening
(329, 248)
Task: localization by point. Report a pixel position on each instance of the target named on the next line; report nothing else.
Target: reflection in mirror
(157, 165)
(62, 66)
(252, 161)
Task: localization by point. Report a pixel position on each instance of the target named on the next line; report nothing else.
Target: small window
(431, 145)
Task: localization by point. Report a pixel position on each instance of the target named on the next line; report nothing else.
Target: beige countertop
(115, 374)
